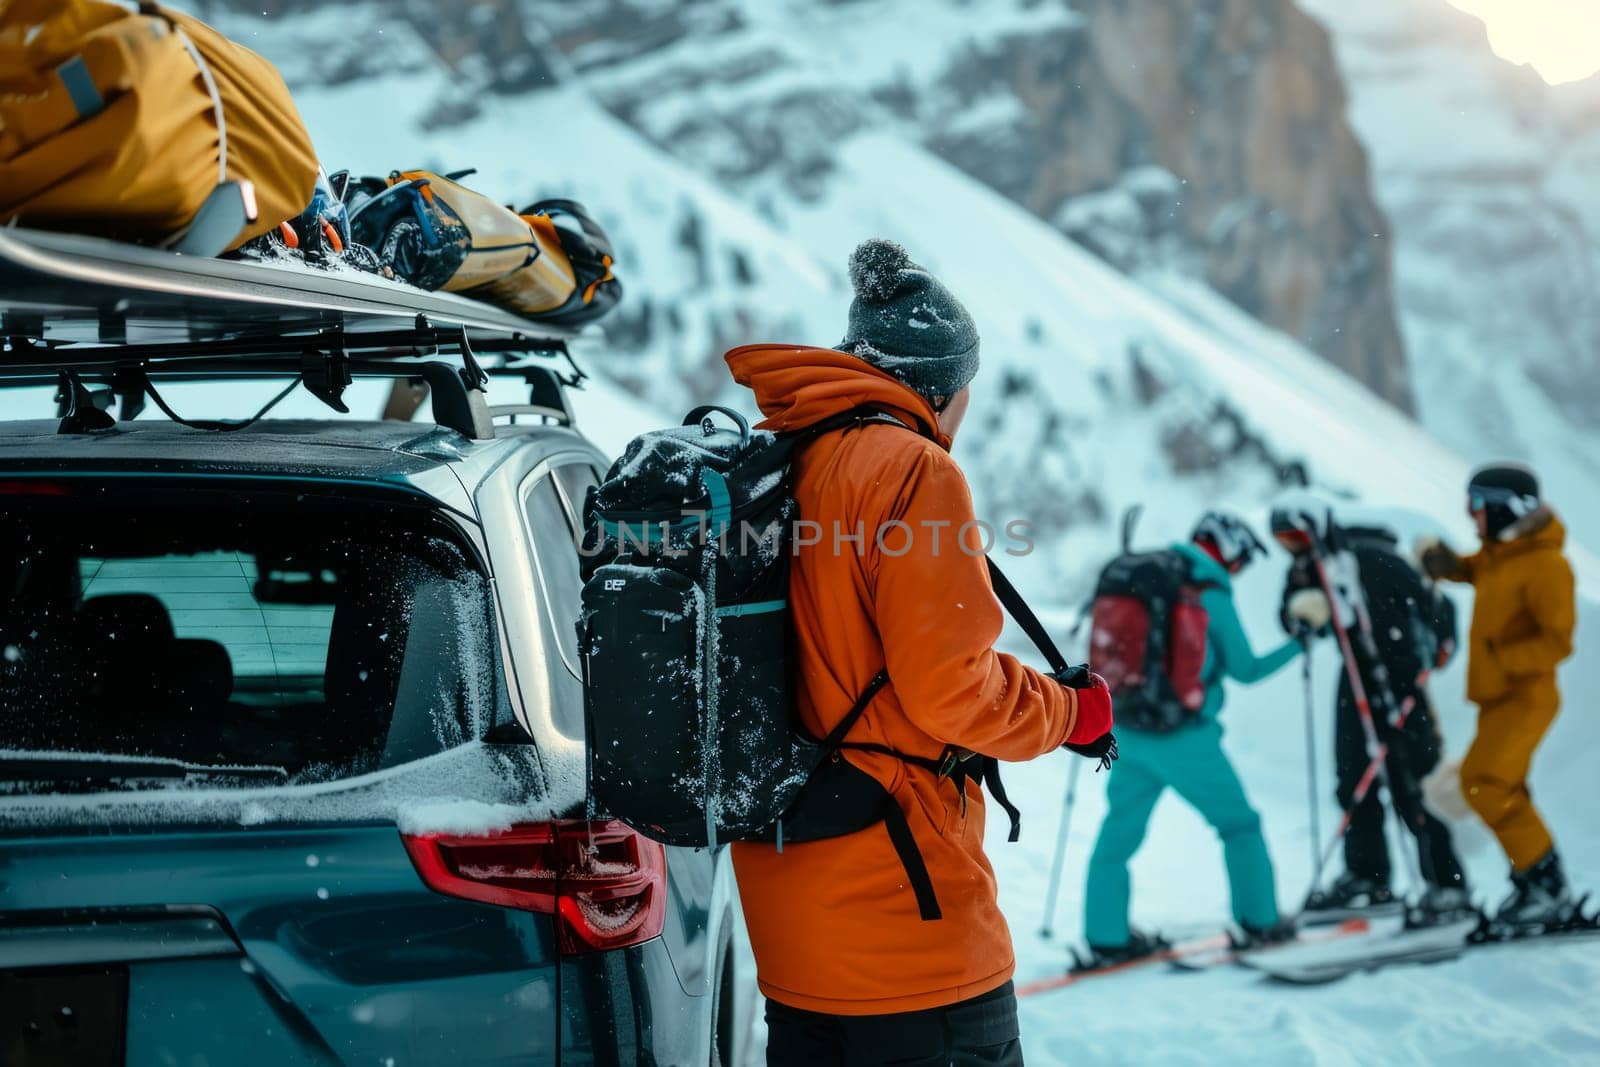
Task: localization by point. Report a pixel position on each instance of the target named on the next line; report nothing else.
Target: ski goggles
(1484, 497)
(1296, 541)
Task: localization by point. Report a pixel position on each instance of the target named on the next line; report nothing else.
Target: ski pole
(1047, 930)
(1364, 786)
(1347, 652)
(1311, 758)
(1395, 716)
(1377, 751)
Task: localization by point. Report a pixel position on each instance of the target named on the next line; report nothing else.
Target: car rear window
(153, 634)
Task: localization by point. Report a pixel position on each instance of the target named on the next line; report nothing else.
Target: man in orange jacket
(1522, 623)
(853, 970)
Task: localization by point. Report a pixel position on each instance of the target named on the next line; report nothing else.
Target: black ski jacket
(1413, 624)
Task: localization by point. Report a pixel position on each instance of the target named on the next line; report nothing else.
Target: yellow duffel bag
(550, 261)
(122, 124)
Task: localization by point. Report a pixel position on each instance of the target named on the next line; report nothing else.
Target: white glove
(1311, 607)
(1442, 791)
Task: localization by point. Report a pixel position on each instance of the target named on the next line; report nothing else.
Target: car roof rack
(89, 378)
(69, 306)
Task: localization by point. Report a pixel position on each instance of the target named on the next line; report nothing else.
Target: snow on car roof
(289, 446)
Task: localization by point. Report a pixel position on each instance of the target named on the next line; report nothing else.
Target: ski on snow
(1078, 974)
(1314, 964)
(1332, 916)
(1233, 952)
(1192, 955)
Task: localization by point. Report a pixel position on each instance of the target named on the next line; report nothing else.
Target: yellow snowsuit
(1522, 627)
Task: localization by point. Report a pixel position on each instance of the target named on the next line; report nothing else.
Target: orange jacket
(1523, 615)
(834, 924)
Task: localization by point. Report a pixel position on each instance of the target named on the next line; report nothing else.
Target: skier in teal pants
(1190, 760)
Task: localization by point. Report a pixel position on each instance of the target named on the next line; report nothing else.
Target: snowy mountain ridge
(1490, 175)
(1209, 140)
(1094, 392)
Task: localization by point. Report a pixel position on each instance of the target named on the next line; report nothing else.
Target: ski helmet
(1300, 525)
(1504, 493)
(1229, 536)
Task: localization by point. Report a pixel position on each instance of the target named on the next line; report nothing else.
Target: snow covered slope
(1102, 388)
(1493, 1007)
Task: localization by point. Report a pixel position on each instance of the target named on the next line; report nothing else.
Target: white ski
(1328, 961)
(1234, 953)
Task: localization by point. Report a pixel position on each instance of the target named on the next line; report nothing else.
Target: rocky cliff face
(737, 153)
(1220, 123)
(1206, 136)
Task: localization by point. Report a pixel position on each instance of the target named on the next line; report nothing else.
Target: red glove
(1094, 712)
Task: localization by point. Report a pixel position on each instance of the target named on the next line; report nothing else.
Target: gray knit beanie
(905, 322)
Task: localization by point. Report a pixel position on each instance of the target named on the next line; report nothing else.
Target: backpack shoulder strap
(836, 735)
(1018, 609)
(857, 416)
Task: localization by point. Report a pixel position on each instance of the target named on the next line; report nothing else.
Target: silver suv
(292, 756)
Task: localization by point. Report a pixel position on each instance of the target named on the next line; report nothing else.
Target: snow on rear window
(236, 637)
(472, 788)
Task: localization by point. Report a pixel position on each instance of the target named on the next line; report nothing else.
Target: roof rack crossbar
(326, 361)
(455, 405)
(511, 411)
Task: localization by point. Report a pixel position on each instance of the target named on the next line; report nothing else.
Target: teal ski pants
(1191, 761)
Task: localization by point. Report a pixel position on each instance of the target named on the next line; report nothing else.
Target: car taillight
(606, 885)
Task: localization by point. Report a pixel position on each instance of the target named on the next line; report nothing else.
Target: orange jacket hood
(798, 385)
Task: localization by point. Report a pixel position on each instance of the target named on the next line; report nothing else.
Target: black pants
(1412, 754)
(981, 1032)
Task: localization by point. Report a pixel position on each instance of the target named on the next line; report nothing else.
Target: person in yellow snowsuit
(1522, 625)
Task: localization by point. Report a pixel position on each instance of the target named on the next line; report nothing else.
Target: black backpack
(688, 692)
(1147, 639)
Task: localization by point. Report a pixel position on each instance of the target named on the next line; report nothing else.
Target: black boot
(1137, 947)
(1261, 936)
(1539, 896)
(1443, 904)
(1349, 896)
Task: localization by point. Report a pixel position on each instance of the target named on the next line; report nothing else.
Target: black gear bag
(688, 687)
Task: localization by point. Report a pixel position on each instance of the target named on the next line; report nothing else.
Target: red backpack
(1147, 639)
